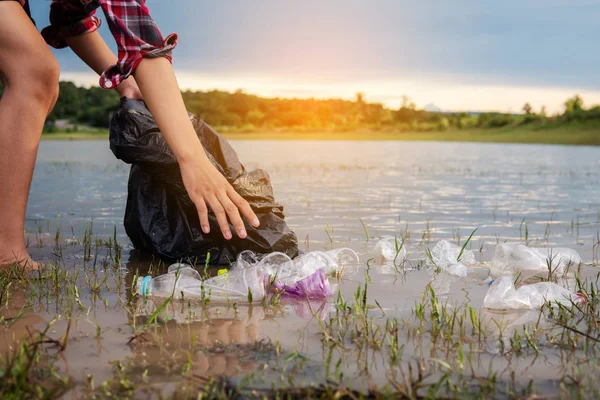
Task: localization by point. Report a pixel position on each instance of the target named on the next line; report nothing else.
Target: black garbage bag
(160, 217)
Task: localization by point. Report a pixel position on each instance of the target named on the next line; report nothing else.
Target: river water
(335, 194)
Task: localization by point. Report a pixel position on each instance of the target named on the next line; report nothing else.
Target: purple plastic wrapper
(314, 286)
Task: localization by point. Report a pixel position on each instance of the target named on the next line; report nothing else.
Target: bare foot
(20, 262)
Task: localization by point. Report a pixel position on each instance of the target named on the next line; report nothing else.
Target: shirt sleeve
(137, 36)
(135, 32)
(70, 18)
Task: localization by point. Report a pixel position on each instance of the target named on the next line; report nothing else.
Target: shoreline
(566, 135)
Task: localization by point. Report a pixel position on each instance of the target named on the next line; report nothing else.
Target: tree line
(246, 112)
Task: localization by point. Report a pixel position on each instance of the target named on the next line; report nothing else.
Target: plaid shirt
(134, 30)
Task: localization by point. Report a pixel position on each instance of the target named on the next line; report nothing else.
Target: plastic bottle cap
(144, 286)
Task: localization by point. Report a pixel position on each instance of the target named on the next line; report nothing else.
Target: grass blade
(465, 245)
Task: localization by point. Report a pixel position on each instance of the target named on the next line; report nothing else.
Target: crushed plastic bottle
(182, 281)
(514, 259)
(288, 271)
(502, 295)
(389, 249)
(445, 256)
(242, 282)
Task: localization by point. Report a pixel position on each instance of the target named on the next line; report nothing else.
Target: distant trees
(574, 104)
(93, 106)
(245, 112)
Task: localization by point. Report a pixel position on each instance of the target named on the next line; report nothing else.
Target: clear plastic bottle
(241, 283)
(175, 281)
(389, 249)
(182, 281)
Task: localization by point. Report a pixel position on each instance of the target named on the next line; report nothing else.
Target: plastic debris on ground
(183, 281)
(252, 278)
(502, 295)
(389, 249)
(514, 259)
(445, 256)
(160, 218)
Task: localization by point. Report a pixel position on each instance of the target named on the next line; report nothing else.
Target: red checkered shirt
(134, 30)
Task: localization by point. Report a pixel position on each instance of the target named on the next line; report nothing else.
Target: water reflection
(542, 195)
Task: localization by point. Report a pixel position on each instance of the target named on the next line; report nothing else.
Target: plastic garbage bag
(160, 218)
(445, 256)
(514, 259)
(502, 295)
(389, 249)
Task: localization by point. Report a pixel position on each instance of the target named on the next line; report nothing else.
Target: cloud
(397, 45)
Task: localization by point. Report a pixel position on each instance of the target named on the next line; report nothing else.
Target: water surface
(335, 193)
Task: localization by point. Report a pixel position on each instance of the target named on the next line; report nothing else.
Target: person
(30, 74)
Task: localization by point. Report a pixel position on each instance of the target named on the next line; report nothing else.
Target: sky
(468, 55)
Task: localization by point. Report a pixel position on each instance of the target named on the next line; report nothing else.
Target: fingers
(221, 215)
(203, 214)
(233, 214)
(226, 206)
(244, 207)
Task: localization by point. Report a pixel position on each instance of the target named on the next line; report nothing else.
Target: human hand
(206, 186)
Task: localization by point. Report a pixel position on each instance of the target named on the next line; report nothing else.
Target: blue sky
(464, 54)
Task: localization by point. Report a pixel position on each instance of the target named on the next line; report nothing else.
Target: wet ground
(391, 328)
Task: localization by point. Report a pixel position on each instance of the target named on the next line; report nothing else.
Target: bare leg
(30, 74)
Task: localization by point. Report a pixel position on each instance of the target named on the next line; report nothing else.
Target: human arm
(205, 185)
(144, 54)
(94, 51)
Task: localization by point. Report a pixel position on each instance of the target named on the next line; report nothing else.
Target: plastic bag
(514, 259)
(314, 286)
(445, 256)
(389, 249)
(160, 218)
(502, 295)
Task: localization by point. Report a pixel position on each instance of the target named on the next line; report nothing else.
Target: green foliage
(242, 112)
(93, 106)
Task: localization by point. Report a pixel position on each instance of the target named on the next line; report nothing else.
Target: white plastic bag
(502, 295)
(445, 256)
(514, 259)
